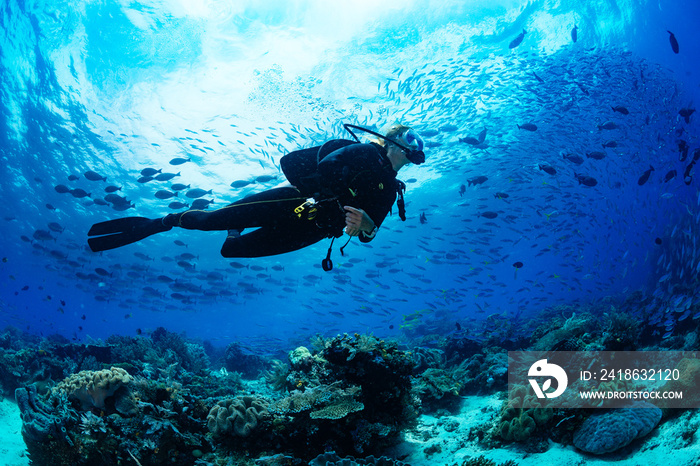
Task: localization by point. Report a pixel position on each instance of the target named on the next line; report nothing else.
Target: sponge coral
(238, 415)
(91, 388)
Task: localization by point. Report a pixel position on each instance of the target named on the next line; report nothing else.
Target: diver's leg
(265, 208)
(269, 241)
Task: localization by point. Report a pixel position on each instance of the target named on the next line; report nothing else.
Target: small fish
(537, 77)
(73, 177)
(518, 265)
(515, 42)
(50, 207)
(586, 180)
(645, 176)
(596, 155)
(201, 204)
(197, 192)
(423, 219)
(470, 140)
(611, 144)
(548, 169)
(61, 189)
(501, 196)
(150, 172)
(462, 190)
(477, 180)
(669, 176)
(177, 205)
(265, 178)
(685, 113)
(573, 158)
(94, 176)
(113, 189)
(574, 34)
(179, 161)
(488, 214)
(607, 125)
(658, 241)
(527, 127)
(165, 194)
(683, 150)
(179, 187)
(79, 193)
(240, 183)
(674, 42)
(53, 226)
(620, 109)
(166, 176)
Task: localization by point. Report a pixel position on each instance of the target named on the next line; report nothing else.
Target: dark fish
(477, 180)
(481, 136)
(149, 172)
(586, 180)
(537, 77)
(51, 207)
(658, 241)
(574, 34)
(573, 158)
(240, 183)
(488, 214)
(620, 109)
(73, 177)
(548, 169)
(687, 177)
(79, 193)
(165, 194)
(166, 176)
(177, 205)
(527, 127)
(197, 192)
(53, 226)
(518, 265)
(685, 113)
(596, 155)
(423, 219)
(515, 42)
(179, 243)
(102, 272)
(611, 144)
(501, 196)
(462, 190)
(112, 189)
(94, 176)
(179, 187)
(265, 178)
(645, 176)
(607, 125)
(62, 189)
(669, 176)
(201, 204)
(43, 235)
(178, 161)
(469, 140)
(683, 149)
(674, 42)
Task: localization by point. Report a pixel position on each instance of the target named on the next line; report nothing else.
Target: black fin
(123, 231)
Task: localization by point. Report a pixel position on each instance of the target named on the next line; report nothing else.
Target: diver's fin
(122, 231)
(119, 225)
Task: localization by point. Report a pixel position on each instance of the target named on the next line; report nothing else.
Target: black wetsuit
(356, 175)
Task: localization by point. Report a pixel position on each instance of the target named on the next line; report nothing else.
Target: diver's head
(408, 140)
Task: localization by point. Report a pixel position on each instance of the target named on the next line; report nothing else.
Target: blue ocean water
(118, 87)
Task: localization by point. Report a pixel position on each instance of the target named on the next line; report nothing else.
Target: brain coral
(238, 415)
(612, 430)
(91, 388)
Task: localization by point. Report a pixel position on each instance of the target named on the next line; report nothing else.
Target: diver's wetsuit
(356, 175)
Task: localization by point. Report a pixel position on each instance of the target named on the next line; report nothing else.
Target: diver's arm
(358, 222)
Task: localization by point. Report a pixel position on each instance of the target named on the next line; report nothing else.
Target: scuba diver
(340, 185)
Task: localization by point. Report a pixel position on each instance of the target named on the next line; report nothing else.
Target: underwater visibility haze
(561, 142)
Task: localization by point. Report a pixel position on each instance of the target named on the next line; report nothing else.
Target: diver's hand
(357, 220)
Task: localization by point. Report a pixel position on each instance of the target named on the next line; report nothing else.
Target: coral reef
(91, 388)
(617, 428)
(236, 416)
(519, 424)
